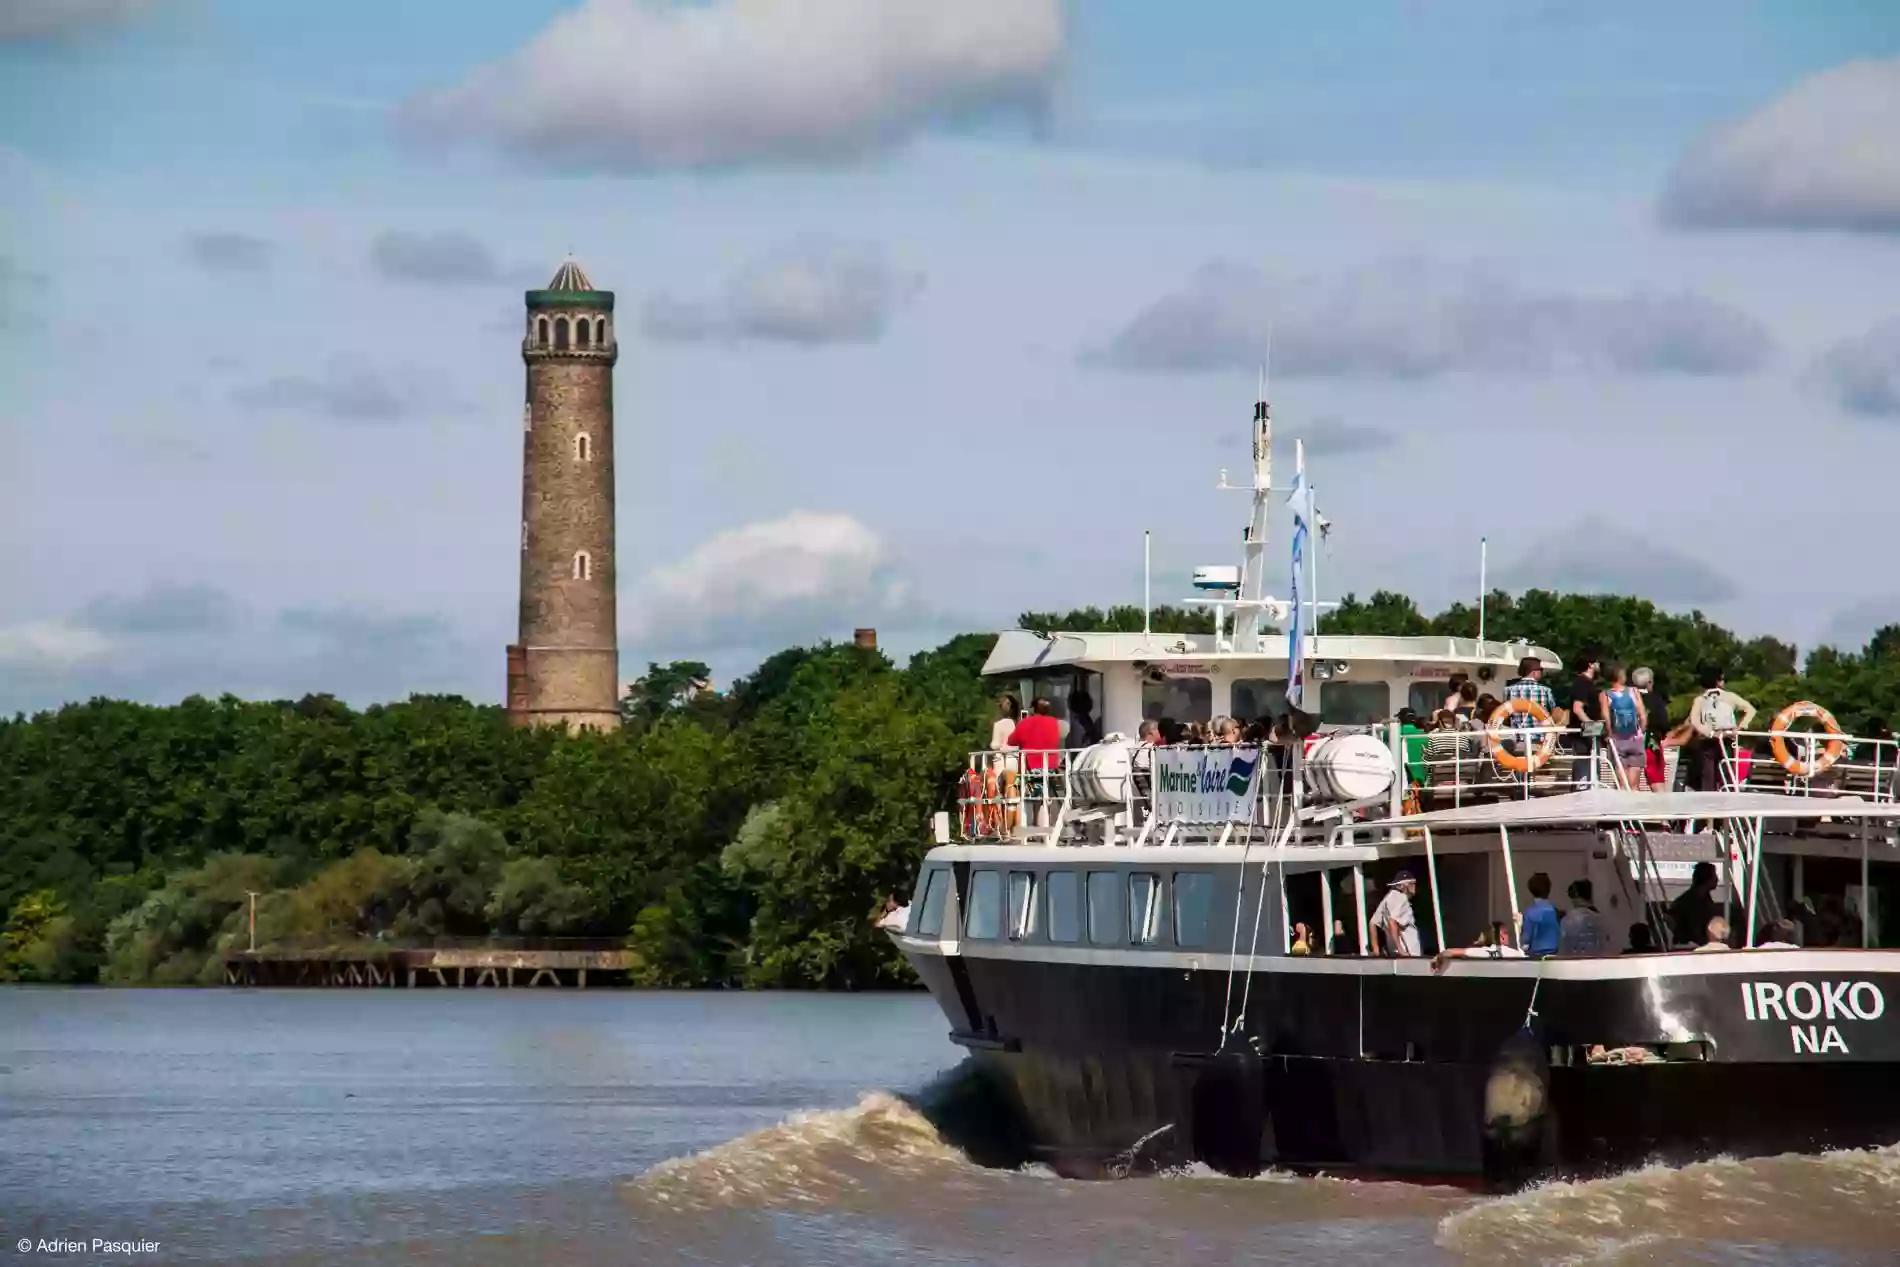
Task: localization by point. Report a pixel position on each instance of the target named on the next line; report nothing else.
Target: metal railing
(361, 942)
(1057, 795)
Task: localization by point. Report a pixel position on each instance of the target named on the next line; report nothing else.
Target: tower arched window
(541, 332)
(582, 329)
(600, 332)
(583, 448)
(560, 334)
(583, 566)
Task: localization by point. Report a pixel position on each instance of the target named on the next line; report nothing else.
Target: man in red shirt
(1039, 735)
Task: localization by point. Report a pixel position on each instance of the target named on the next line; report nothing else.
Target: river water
(468, 1128)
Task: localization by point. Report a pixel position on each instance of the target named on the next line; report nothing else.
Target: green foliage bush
(741, 839)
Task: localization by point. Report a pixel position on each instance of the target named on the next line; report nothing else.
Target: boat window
(1181, 698)
(1426, 698)
(1355, 703)
(1059, 689)
(1105, 923)
(930, 910)
(1144, 907)
(1257, 697)
(985, 918)
(1193, 906)
(1065, 906)
(1022, 904)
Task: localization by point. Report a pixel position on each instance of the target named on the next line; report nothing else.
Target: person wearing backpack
(1626, 717)
(1715, 717)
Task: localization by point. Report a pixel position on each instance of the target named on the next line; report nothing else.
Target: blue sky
(976, 292)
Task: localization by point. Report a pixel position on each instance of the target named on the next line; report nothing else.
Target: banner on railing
(1205, 785)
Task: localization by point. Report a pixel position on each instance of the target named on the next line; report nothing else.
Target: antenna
(1483, 550)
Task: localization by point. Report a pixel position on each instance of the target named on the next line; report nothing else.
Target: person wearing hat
(1393, 920)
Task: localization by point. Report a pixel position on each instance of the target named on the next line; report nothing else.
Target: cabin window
(1258, 697)
(1022, 904)
(1105, 917)
(930, 909)
(1178, 698)
(1065, 906)
(1144, 907)
(1193, 907)
(1345, 703)
(984, 922)
(1426, 698)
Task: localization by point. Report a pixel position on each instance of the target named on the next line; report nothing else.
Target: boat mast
(1250, 610)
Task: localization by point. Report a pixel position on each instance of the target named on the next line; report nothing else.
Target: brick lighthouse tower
(565, 667)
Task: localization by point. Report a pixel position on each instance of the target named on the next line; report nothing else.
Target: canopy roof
(1021, 650)
(1606, 804)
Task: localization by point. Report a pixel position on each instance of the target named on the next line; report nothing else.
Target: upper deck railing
(1219, 793)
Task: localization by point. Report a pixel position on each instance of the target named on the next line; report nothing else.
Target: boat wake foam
(1843, 1201)
(822, 1157)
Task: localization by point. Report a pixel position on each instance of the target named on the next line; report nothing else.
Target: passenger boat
(1114, 937)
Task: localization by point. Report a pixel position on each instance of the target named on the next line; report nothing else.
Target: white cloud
(58, 19)
(50, 644)
(1412, 318)
(624, 84)
(809, 575)
(1823, 155)
(1862, 375)
(811, 291)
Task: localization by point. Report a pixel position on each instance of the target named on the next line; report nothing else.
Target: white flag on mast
(1301, 499)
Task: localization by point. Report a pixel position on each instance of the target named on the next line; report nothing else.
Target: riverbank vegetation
(743, 839)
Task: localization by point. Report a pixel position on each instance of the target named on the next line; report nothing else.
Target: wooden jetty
(376, 966)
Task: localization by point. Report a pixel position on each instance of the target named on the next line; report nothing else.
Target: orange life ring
(1501, 754)
(972, 798)
(1833, 752)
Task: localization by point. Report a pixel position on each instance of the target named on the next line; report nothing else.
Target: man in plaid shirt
(1529, 684)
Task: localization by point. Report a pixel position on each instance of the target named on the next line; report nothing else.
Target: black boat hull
(1356, 1066)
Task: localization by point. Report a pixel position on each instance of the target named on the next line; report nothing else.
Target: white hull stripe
(1751, 963)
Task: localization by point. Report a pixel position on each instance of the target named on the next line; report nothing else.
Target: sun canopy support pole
(1510, 876)
(1326, 908)
(1359, 902)
(1431, 873)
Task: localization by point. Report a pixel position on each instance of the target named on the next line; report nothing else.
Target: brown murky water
(302, 1128)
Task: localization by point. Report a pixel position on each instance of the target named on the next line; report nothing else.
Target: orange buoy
(1835, 747)
(1540, 752)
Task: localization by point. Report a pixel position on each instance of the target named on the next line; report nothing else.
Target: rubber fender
(1518, 1128)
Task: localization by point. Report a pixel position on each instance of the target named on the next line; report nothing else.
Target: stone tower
(565, 668)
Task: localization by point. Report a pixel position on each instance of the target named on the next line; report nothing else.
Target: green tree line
(739, 839)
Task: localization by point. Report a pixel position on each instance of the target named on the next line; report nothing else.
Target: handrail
(1044, 794)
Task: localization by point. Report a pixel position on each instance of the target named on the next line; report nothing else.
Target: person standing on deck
(1542, 930)
(1393, 921)
(1586, 694)
(1717, 714)
(1583, 930)
(1529, 685)
(1039, 735)
(1690, 913)
(1622, 708)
